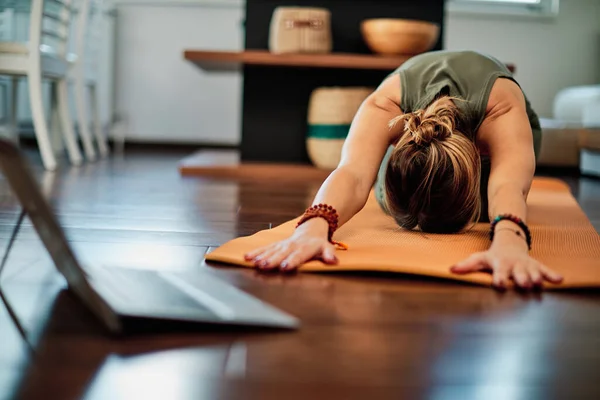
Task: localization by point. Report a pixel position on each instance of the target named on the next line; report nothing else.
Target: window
(510, 7)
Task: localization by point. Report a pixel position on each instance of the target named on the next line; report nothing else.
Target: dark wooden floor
(376, 336)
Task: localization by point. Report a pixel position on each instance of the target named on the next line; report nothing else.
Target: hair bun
(436, 122)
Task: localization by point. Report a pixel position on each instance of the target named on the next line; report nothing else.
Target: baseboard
(590, 163)
(30, 141)
(557, 171)
(174, 146)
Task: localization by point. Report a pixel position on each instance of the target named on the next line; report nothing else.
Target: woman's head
(432, 179)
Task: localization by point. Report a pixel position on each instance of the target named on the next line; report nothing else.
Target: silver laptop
(115, 295)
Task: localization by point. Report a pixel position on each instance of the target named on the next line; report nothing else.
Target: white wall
(549, 54)
(161, 97)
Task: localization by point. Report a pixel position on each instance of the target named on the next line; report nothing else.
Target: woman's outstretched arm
(507, 133)
(347, 187)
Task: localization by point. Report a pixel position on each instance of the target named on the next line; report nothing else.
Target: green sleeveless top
(468, 75)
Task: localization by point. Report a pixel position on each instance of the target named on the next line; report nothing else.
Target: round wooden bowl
(399, 36)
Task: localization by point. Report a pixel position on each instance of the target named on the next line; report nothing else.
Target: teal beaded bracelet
(516, 220)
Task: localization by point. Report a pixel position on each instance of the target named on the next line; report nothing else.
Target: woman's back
(467, 75)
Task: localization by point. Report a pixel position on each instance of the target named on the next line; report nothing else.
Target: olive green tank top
(468, 75)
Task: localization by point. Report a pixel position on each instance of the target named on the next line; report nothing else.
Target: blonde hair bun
(436, 122)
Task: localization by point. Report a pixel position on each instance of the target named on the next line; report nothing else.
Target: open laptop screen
(24, 186)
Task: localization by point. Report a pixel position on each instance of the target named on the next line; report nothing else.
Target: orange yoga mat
(563, 239)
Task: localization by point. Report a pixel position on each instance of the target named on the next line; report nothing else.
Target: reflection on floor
(136, 210)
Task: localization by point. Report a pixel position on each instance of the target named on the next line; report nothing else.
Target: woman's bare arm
(348, 186)
(507, 135)
(506, 131)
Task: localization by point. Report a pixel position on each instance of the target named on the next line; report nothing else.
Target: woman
(448, 139)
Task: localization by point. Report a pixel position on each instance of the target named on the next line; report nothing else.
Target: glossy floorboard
(362, 336)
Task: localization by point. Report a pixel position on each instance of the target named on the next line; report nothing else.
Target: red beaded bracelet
(329, 214)
(516, 220)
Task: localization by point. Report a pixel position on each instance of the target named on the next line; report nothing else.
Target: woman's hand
(308, 242)
(506, 262)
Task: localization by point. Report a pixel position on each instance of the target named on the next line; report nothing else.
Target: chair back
(89, 35)
(50, 26)
(7, 22)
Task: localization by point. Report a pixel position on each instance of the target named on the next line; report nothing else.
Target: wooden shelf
(219, 60)
(227, 60)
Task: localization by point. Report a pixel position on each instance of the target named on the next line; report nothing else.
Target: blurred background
(147, 92)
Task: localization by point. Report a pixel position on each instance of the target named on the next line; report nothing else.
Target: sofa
(573, 134)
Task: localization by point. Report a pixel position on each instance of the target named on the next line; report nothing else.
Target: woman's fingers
(288, 256)
(475, 262)
(251, 255)
(295, 259)
(328, 254)
(520, 275)
(303, 254)
(500, 276)
(534, 274)
(275, 258)
(262, 260)
(550, 275)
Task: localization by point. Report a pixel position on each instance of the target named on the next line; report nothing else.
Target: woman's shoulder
(505, 93)
(390, 88)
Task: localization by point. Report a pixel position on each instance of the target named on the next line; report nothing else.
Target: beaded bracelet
(329, 214)
(516, 220)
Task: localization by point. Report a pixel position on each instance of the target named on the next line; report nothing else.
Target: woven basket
(330, 114)
(300, 30)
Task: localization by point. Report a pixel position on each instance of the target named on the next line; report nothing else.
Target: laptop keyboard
(145, 289)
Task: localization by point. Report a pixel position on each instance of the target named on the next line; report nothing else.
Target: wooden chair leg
(54, 128)
(66, 122)
(82, 119)
(100, 138)
(5, 129)
(39, 120)
(14, 118)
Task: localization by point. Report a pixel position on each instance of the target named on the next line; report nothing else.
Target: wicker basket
(330, 114)
(300, 30)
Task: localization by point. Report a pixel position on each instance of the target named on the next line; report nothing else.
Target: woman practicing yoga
(448, 139)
